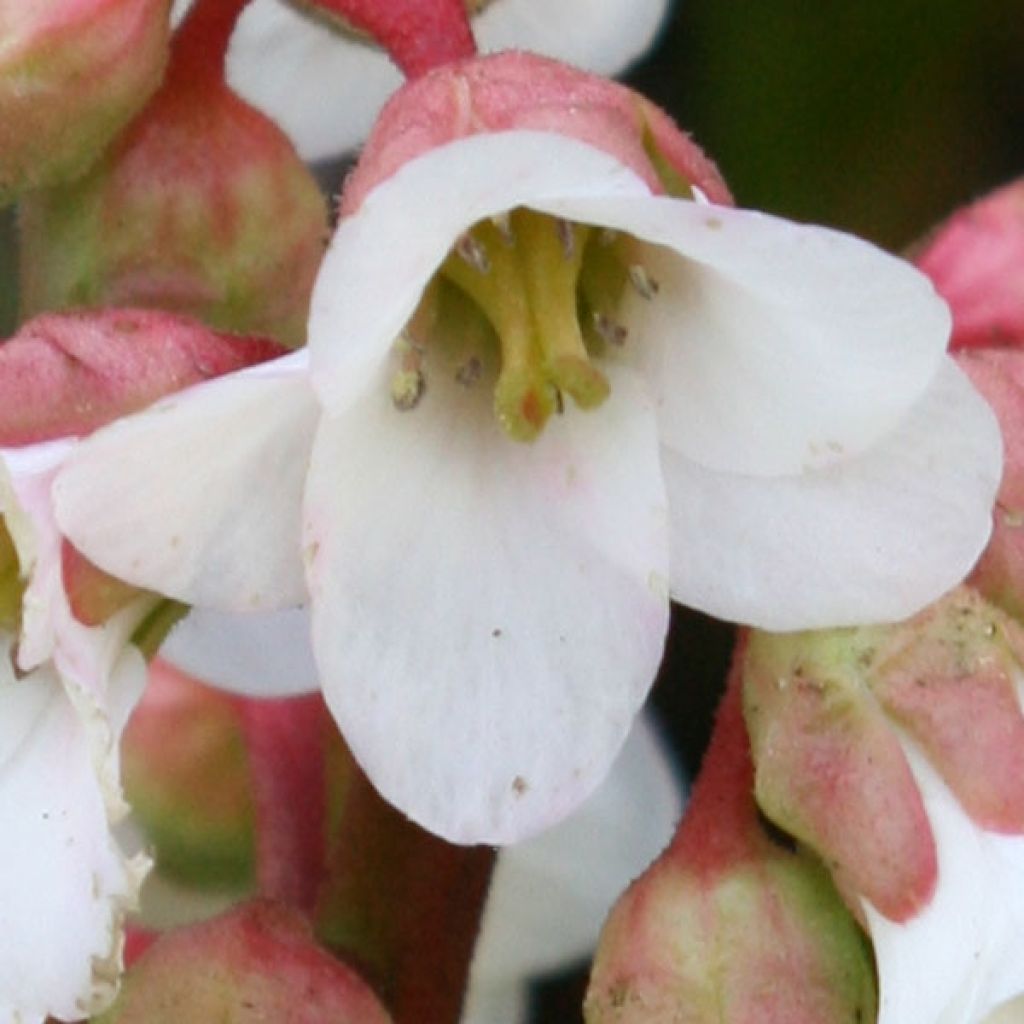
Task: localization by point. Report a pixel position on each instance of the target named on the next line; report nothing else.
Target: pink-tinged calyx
(829, 714)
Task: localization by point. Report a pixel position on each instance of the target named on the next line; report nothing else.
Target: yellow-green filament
(11, 584)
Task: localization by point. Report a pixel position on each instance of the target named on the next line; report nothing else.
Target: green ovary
(535, 295)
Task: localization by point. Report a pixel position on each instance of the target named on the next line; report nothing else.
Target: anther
(469, 372)
(642, 282)
(470, 250)
(407, 388)
(566, 237)
(503, 222)
(610, 330)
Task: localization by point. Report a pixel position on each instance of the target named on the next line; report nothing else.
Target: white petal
(368, 288)
(550, 895)
(961, 957)
(871, 540)
(322, 88)
(198, 497)
(325, 90)
(772, 346)
(496, 1002)
(64, 883)
(487, 615)
(603, 36)
(256, 654)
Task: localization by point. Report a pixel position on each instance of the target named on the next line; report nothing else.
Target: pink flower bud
(202, 207)
(193, 796)
(257, 963)
(72, 73)
(522, 91)
(728, 927)
(976, 260)
(67, 374)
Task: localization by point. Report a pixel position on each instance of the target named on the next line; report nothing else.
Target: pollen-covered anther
(643, 284)
(470, 372)
(410, 381)
(474, 253)
(609, 330)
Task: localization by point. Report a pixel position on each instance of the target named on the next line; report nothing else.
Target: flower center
(535, 297)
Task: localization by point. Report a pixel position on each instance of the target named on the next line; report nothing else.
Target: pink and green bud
(72, 74)
(257, 963)
(829, 712)
(521, 91)
(192, 795)
(67, 374)
(202, 208)
(976, 260)
(728, 926)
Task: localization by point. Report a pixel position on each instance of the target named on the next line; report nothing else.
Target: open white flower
(780, 439)
(959, 959)
(325, 88)
(65, 692)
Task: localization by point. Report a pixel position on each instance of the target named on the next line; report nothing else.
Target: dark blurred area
(875, 116)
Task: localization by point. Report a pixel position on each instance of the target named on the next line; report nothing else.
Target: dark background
(876, 116)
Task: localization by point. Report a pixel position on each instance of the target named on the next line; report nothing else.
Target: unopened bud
(728, 927)
(255, 964)
(202, 207)
(72, 74)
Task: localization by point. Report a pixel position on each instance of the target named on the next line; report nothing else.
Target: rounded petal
(367, 289)
(64, 882)
(256, 654)
(487, 616)
(279, 58)
(550, 895)
(198, 497)
(871, 540)
(960, 958)
(772, 347)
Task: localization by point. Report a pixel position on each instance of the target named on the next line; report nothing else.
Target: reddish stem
(401, 903)
(285, 740)
(419, 35)
(200, 44)
(721, 827)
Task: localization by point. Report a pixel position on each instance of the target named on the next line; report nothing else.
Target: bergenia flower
(280, 57)
(66, 689)
(861, 752)
(548, 395)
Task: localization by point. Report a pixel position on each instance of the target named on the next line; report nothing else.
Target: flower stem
(419, 35)
(403, 904)
(285, 740)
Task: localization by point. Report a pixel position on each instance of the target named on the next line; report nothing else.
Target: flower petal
(773, 347)
(198, 497)
(366, 290)
(278, 59)
(870, 540)
(494, 611)
(960, 958)
(256, 654)
(64, 883)
(550, 895)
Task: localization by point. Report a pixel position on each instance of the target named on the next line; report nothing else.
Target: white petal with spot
(487, 616)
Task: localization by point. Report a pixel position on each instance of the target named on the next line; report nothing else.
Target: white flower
(785, 443)
(65, 692)
(960, 958)
(325, 88)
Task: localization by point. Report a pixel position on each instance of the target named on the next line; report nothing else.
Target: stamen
(566, 236)
(503, 222)
(642, 282)
(470, 372)
(610, 330)
(410, 382)
(473, 253)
